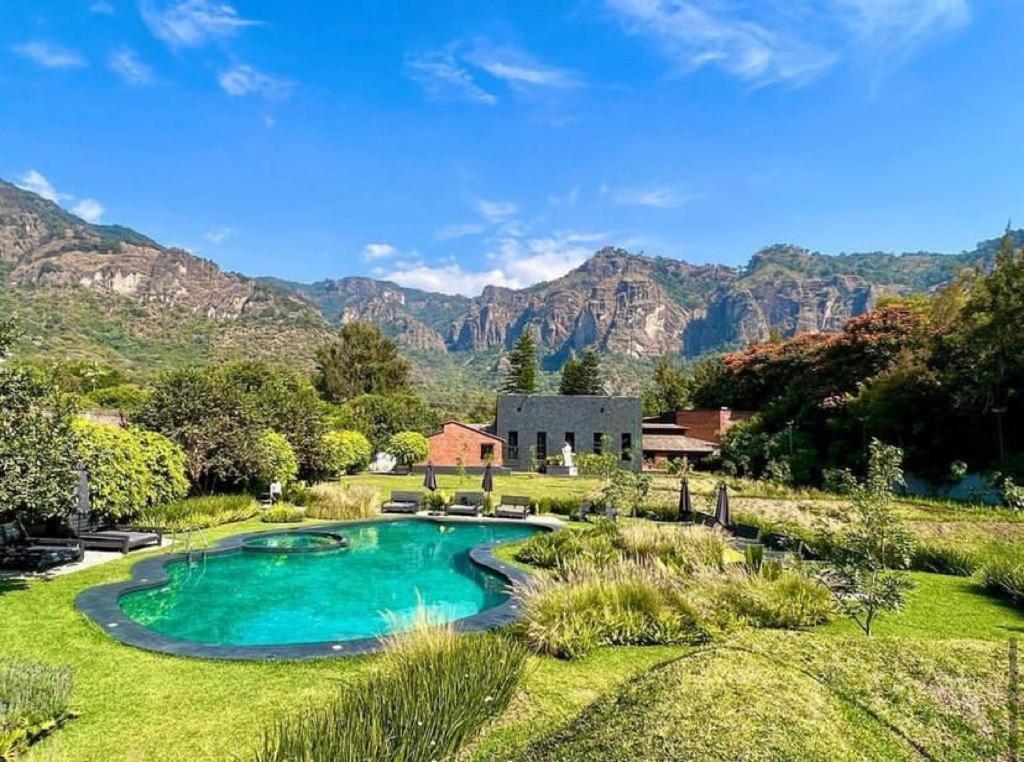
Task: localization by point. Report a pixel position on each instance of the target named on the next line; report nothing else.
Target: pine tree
(570, 377)
(521, 376)
(582, 376)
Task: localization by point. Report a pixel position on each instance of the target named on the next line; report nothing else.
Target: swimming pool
(244, 600)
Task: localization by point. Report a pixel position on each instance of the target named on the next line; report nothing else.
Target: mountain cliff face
(646, 306)
(616, 302)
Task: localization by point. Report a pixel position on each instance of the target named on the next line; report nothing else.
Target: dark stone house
(535, 426)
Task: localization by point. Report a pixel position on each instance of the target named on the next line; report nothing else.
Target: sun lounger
(466, 504)
(403, 502)
(19, 551)
(513, 507)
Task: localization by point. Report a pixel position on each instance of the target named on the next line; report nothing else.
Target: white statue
(567, 459)
(384, 463)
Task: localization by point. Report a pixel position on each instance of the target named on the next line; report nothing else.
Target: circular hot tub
(295, 542)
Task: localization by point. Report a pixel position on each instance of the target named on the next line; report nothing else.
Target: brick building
(690, 434)
(475, 445)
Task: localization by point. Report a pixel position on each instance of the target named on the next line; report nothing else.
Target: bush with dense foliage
(274, 459)
(129, 470)
(199, 512)
(345, 452)
(379, 417)
(427, 697)
(37, 455)
(342, 502)
(35, 699)
(1002, 572)
(282, 513)
(408, 447)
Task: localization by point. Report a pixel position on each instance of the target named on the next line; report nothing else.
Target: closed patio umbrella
(429, 478)
(685, 503)
(488, 483)
(722, 505)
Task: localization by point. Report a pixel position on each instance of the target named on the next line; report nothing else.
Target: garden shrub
(129, 470)
(199, 512)
(338, 502)
(623, 604)
(274, 458)
(430, 694)
(345, 452)
(562, 506)
(165, 462)
(34, 700)
(282, 513)
(788, 600)
(408, 447)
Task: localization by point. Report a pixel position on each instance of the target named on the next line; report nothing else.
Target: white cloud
(89, 209)
(460, 230)
(50, 56)
(516, 262)
(569, 198)
(130, 68)
(443, 78)
(900, 24)
(218, 236)
(377, 251)
(35, 182)
(496, 211)
(102, 7)
(191, 23)
(242, 79)
(664, 197)
(518, 68)
(783, 40)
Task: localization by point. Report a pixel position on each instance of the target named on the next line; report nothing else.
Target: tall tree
(670, 388)
(581, 376)
(521, 376)
(361, 361)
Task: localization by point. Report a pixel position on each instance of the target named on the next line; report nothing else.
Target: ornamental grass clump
(784, 600)
(554, 550)
(683, 549)
(429, 695)
(282, 513)
(1002, 572)
(199, 512)
(338, 502)
(624, 604)
(34, 700)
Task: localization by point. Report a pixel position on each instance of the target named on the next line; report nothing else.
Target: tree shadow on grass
(11, 584)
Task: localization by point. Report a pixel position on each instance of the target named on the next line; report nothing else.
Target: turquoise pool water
(372, 587)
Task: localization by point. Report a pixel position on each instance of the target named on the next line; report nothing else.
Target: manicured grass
(530, 485)
(788, 696)
(943, 607)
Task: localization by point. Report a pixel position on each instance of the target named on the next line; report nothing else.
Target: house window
(542, 445)
(513, 445)
(570, 439)
(598, 437)
(486, 453)
(627, 446)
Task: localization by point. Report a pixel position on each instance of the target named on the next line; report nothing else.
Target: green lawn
(136, 705)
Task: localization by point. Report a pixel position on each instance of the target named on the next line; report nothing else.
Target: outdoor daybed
(403, 502)
(466, 504)
(19, 551)
(513, 507)
(122, 540)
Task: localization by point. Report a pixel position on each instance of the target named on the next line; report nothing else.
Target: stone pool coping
(100, 603)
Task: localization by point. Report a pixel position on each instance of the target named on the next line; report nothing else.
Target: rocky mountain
(147, 304)
(641, 306)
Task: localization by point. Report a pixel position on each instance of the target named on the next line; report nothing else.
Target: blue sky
(449, 144)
